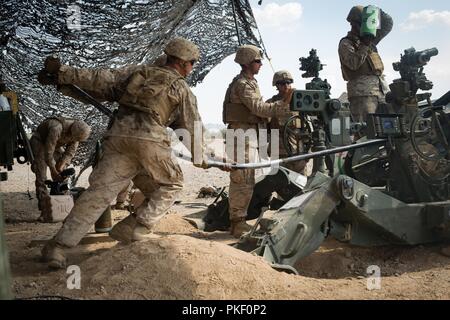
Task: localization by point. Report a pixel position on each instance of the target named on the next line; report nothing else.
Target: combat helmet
(282, 75)
(182, 49)
(355, 14)
(247, 53)
(80, 130)
(160, 60)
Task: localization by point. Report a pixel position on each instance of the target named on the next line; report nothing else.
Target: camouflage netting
(96, 33)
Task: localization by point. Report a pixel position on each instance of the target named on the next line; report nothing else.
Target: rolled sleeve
(102, 84)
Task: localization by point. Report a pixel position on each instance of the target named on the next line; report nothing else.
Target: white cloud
(282, 17)
(419, 20)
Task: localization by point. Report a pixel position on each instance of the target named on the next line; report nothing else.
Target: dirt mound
(173, 223)
(182, 267)
(185, 263)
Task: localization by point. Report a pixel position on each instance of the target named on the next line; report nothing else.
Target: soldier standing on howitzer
(244, 108)
(54, 144)
(136, 147)
(362, 66)
(283, 80)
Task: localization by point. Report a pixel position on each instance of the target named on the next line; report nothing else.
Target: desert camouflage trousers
(39, 168)
(123, 194)
(361, 106)
(151, 168)
(242, 183)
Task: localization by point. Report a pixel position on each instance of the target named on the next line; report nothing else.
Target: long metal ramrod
(273, 163)
(92, 100)
(255, 165)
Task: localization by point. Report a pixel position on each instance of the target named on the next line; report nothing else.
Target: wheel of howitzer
(427, 128)
(297, 135)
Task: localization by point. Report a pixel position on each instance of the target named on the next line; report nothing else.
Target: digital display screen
(388, 124)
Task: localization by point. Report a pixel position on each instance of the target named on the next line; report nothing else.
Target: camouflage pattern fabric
(245, 91)
(365, 81)
(151, 168)
(137, 147)
(123, 194)
(277, 123)
(53, 146)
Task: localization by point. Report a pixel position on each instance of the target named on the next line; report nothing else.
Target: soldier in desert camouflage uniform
(282, 80)
(122, 197)
(362, 67)
(137, 147)
(54, 144)
(244, 108)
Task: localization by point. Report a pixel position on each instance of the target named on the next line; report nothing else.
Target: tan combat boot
(123, 230)
(141, 232)
(239, 227)
(53, 253)
(129, 230)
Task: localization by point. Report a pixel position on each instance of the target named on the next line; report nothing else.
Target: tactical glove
(49, 75)
(52, 65)
(45, 78)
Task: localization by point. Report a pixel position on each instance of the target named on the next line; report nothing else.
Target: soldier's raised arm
(386, 26)
(102, 84)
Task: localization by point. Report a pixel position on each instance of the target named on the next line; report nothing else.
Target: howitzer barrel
(306, 156)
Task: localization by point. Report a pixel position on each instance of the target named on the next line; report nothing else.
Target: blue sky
(290, 29)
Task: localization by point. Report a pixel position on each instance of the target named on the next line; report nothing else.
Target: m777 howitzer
(402, 200)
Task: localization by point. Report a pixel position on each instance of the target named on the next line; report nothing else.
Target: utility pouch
(375, 63)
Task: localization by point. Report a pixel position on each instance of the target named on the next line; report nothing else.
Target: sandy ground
(181, 262)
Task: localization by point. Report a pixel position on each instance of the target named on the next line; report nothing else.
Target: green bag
(370, 21)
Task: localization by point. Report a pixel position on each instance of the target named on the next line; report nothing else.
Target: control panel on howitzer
(392, 193)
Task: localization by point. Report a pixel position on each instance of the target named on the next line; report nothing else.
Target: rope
(262, 42)
(235, 23)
